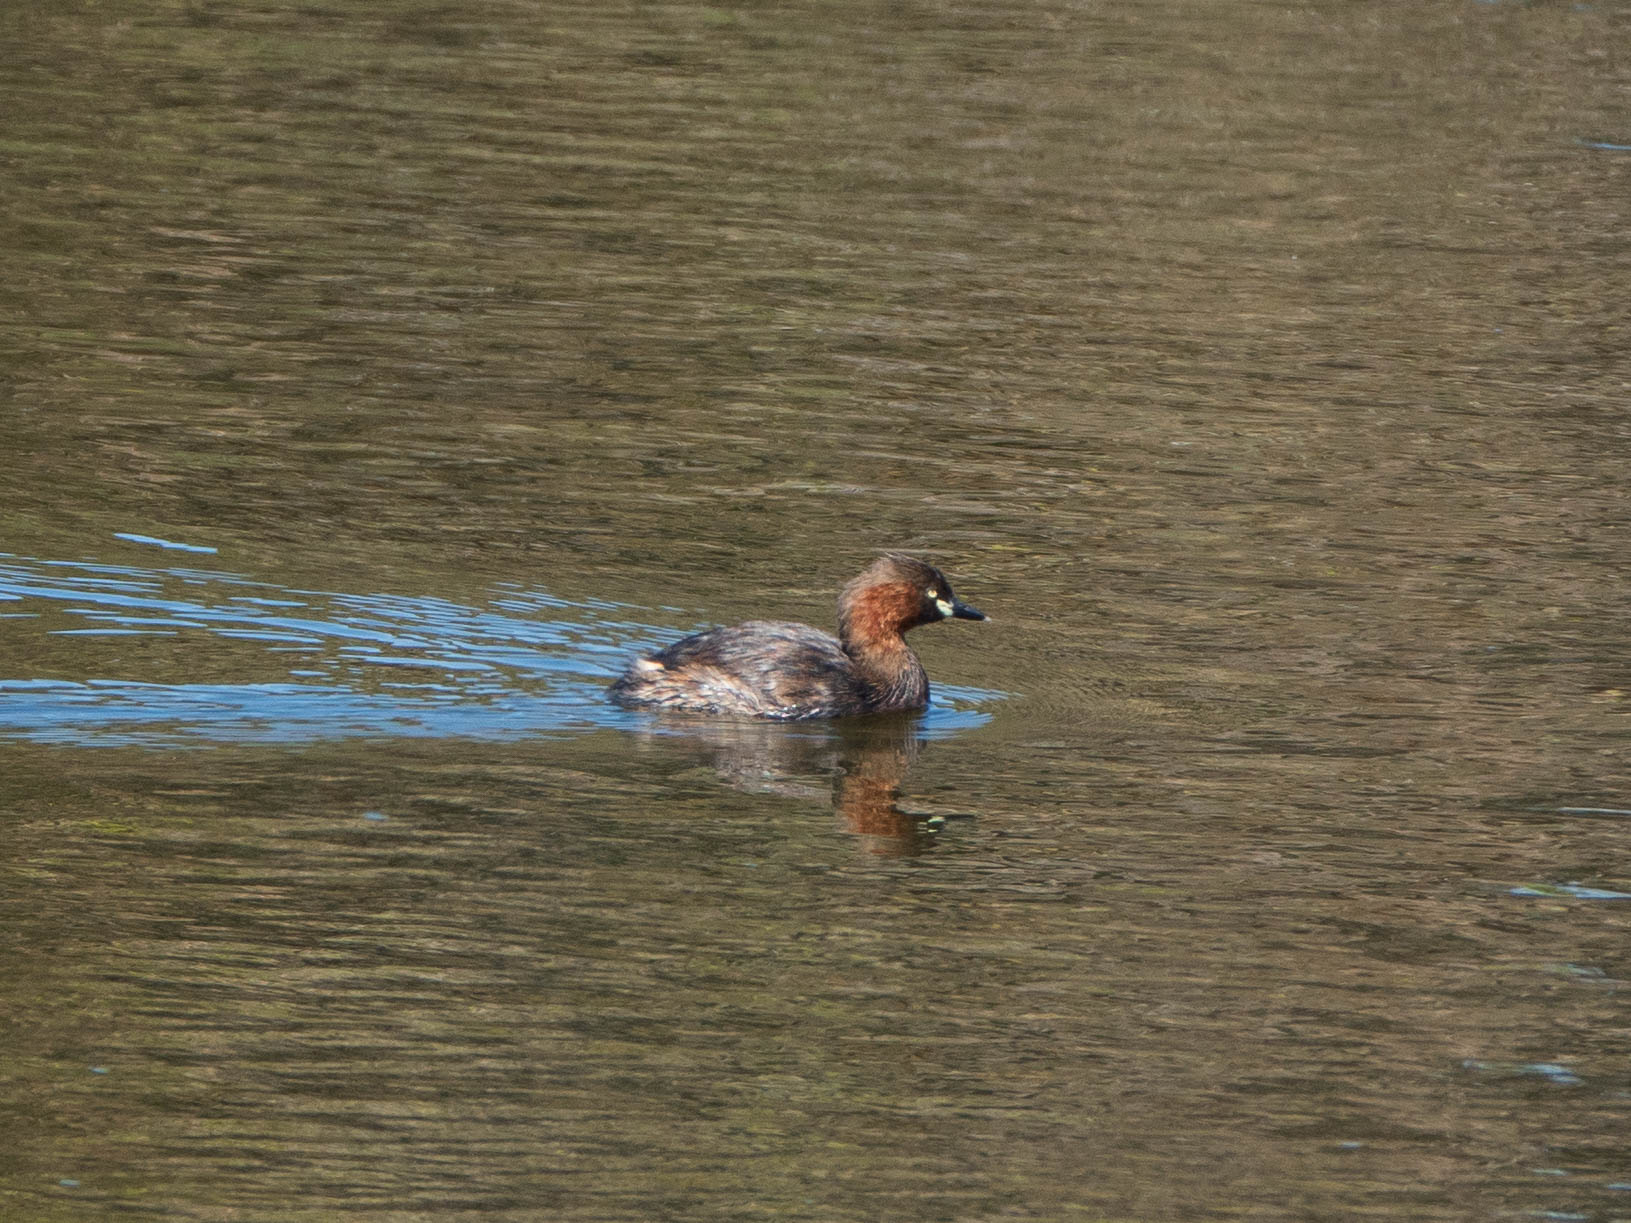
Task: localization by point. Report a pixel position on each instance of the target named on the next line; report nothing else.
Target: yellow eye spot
(934, 594)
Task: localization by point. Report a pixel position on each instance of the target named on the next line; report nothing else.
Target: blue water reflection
(523, 664)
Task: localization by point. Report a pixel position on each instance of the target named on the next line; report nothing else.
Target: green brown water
(1261, 370)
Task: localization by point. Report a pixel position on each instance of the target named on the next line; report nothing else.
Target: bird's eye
(934, 594)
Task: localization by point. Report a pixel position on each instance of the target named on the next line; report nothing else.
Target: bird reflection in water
(866, 759)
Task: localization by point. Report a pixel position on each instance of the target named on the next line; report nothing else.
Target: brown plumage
(776, 669)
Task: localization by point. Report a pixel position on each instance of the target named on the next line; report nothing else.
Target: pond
(378, 381)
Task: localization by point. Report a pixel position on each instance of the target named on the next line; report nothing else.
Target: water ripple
(526, 663)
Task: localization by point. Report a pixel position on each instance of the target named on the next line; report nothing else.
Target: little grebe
(773, 669)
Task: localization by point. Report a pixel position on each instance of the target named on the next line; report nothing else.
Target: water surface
(376, 381)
